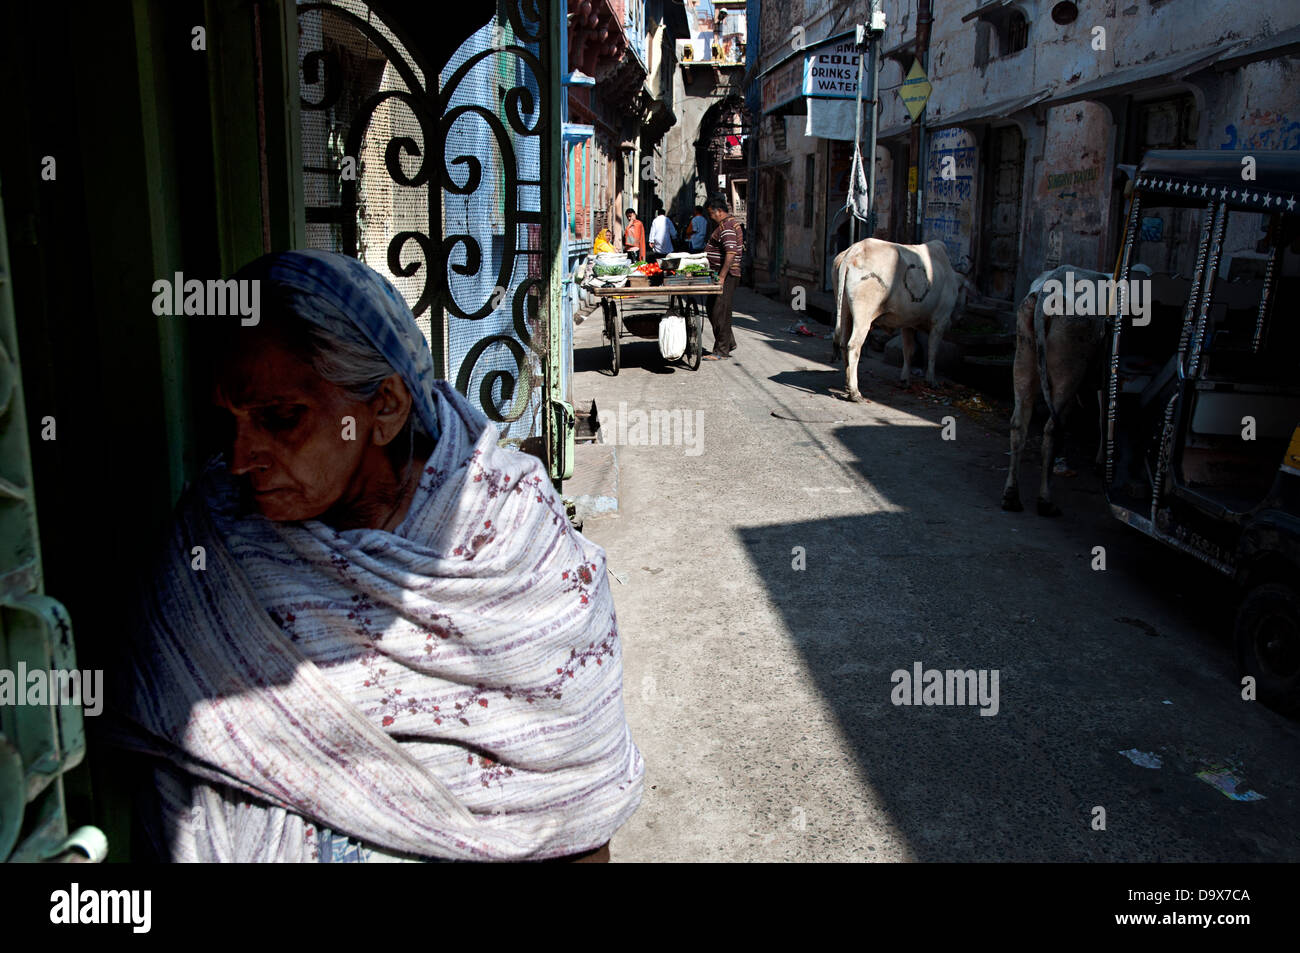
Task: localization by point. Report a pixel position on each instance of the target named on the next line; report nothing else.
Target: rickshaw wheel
(1268, 644)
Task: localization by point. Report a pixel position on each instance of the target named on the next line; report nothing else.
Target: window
(809, 190)
(1010, 28)
(1013, 33)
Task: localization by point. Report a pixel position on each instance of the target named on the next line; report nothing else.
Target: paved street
(760, 694)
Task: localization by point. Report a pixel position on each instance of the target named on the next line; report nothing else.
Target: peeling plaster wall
(1068, 189)
(1063, 56)
(1255, 106)
(803, 243)
(1260, 111)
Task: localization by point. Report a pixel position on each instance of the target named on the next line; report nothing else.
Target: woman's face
(290, 436)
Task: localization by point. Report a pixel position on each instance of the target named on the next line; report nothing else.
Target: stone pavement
(779, 565)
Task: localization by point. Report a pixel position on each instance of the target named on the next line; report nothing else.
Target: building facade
(703, 153)
(1015, 161)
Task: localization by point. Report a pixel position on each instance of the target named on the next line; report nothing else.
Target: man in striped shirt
(723, 248)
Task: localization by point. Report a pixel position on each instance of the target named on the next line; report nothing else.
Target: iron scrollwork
(518, 103)
(520, 116)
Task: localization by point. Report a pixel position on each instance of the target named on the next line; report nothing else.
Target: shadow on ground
(1086, 668)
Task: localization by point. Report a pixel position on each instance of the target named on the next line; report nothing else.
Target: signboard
(782, 85)
(831, 72)
(915, 90)
(950, 194)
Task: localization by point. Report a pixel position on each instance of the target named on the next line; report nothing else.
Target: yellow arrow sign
(915, 90)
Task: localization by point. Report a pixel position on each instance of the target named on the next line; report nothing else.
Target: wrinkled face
(289, 433)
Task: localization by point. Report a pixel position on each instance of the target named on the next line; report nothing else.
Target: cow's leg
(909, 348)
(1045, 505)
(1024, 409)
(1024, 377)
(853, 348)
(932, 354)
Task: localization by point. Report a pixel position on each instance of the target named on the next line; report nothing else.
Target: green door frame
(38, 743)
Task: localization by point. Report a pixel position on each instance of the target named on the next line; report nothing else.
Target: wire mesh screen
(492, 222)
(435, 181)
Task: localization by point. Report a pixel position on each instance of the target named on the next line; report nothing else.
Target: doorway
(1000, 247)
(778, 228)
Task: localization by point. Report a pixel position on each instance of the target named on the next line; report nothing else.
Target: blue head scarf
(334, 291)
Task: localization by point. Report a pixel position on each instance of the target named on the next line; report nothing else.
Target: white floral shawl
(448, 690)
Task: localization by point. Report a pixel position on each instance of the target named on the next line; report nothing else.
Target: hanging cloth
(858, 201)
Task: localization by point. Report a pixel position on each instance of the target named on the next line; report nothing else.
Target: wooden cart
(647, 326)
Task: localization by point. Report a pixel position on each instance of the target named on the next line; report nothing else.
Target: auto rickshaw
(1203, 391)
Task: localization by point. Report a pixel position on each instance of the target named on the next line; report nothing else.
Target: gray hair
(354, 365)
(340, 352)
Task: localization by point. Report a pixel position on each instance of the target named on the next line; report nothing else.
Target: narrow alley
(760, 694)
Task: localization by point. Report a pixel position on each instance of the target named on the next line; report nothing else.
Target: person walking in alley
(662, 234)
(697, 232)
(634, 235)
(723, 248)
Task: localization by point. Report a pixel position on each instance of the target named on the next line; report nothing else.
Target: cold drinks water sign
(831, 72)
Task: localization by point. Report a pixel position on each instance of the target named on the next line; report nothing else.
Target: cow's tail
(1040, 342)
(839, 339)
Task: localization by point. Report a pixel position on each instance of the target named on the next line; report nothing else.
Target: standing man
(697, 232)
(634, 235)
(723, 248)
(662, 233)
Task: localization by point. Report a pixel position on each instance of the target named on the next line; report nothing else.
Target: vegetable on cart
(682, 305)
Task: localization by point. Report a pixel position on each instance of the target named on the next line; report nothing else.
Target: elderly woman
(374, 635)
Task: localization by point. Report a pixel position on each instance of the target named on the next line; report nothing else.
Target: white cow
(901, 286)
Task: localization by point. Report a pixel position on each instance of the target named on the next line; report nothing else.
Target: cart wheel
(612, 331)
(695, 340)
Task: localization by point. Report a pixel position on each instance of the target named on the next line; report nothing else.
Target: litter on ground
(1143, 759)
(1228, 784)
